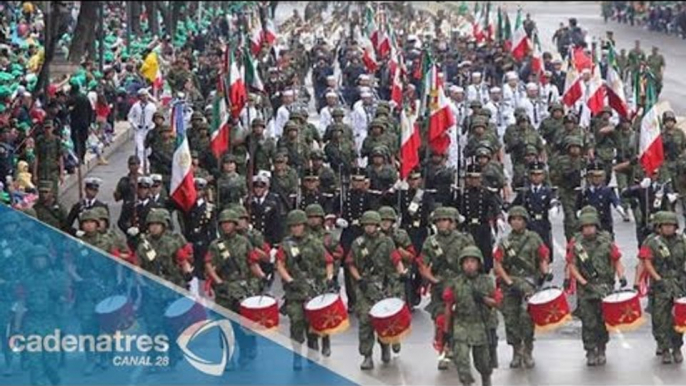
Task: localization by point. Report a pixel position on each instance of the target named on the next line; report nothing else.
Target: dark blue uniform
(602, 198)
(480, 207)
(537, 202)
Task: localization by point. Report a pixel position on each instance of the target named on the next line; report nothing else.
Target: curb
(121, 137)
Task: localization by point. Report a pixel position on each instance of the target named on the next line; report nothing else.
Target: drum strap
(586, 262)
(514, 256)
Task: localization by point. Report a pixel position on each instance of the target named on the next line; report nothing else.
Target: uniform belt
(538, 217)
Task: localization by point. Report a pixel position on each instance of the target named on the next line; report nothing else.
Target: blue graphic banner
(72, 315)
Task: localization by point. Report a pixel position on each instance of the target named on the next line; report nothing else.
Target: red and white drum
(391, 320)
(548, 309)
(183, 313)
(263, 310)
(115, 313)
(680, 315)
(327, 314)
(622, 310)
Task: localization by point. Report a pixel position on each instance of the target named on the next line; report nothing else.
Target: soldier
(481, 136)
(353, 204)
(625, 159)
(437, 264)
(404, 246)
(134, 212)
(200, 225)
(599, 196)
(231, 188)
(377, 268)
(439, 178)
(328, 178)
(571, 129)
(153, 136)
(492, 172)
(340, 151)
(232, 267)
(674, 143)
(293, 145)
(551, 125)
(285, 183)
(263, 249)
(482, 212)
(377, 138)
(311, 193)
(594, 261)
(158, 193)
(382, 176)
(306, 269)
(566, 175)
(414, 204)
(468, 300)
(89, 202)
(126, 187)
(664, 256)
(48, 210)
(649, 197)
(517, 139)
(94, 279)
(330, 236)
(536, 109)
(260, 148)
(162, 154)
(657, 65)
(121, 250)
(49, 163)
(265, 210)
(338, 115)
(521, 264)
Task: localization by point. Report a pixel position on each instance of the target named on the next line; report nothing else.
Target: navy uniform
(415, 207)
(537, 200)
(600, 197)
(480, 208)
(265, 211)
(92, 186)
(438, 178)
(648, 198)
(161, 197)
(200, 225)
(312, 193)
(134, 212)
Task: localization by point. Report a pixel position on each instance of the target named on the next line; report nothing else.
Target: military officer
(49, 163)
(664, 257)
(594, 262)
(134, 212)
(538, 198)
(566, 175)
(48, 210)
(414, 205)
(439, 266)
(521, 263)
(158, 193)
(468, 301)
(312, 194)
(306, 269)
(382, 175)
(231, 187)
(377, 269)
(126, 187)
(200, 225)
(92, 185)
(600, 196)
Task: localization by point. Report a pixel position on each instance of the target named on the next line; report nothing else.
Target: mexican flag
(489, 27)
(410, 142)
(237, 93)
(651, 152)
(537, 57)
(615, 86)
(520, 43)
(440, 115)
(477, 27)
(251, 75)
(396, 77)
(261, 35)
(596, 99)
(573, 90)
(182, 185)
(220, 130)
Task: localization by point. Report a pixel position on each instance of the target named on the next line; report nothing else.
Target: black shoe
(677, 355)
(396, 348)
(385, 353)
(367, 363)
(326, 346)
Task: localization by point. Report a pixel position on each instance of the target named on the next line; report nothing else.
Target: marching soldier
(329, 180)
(594, 262)
(437, 264)
(49, 163)
(89, 202)
(231, 187)
(330, 237)
(467, 300)
(551, 125)
(482, 212)
(377, 269)
(199, 224)
(233, 269)
(48, 210)
(605, 139)
(566, 175)
(404, 246)
(306, 269)
(311, 193)
(293, 144)
(284, 183)
(382, 176)
(135, 212)
(265, 210)
(340, 151)
(625, 159)
(162, 154)
(664, 257)
(649, 197)
(599, 196)
(537, 199)
(438, 178)
(121, 250)
(517, 140)
(158, 193)
(415, 205)
(521, 264)
(261, 148)
(126, 187)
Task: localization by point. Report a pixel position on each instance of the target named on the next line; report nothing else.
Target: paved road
(559, 355)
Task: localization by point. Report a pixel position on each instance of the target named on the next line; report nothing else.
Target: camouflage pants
(623, 181)
(43, 366)
(365, 330)
(593, 331)
(52, 176)
(519, 328)
(663, 323)
(299, 325)
(482, 361)
(247, 343)
(568, 201)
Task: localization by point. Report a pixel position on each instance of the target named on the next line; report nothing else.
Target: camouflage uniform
(231, 188)
(49, 152)
(566, 175)
(52, 214)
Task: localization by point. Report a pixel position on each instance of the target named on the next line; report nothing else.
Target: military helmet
(296, 115)
(531, 150)
(380, 151)
(378, 123)
(471, 251)
(665, 217)
(387, 213)
(443, 213)
(518, 211)
(229, 215)
(258, 122)
(574, 141)
(88, 215)
(240, 210)
(296, 217)
(483, 152)
(668, 116)
(475, 104)
(290, 125)
(570, 117)
(519, 111)
(556, 106)
(158, 216)
(479, 122)
(101, 212)
(314, 210)
(588, 209)
(370, 217)
(588, 219)
(338, 112)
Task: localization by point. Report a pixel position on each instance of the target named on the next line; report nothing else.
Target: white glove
(672, 197)
(645, 183)
(133, 231)
(460, 218)
(341, 223)
(500, 223)
(272, 255)
(621, 211)
(578, 213)
(80, 233)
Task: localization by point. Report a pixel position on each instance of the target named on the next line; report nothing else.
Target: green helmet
(370, 217)
(101, 212)
(665, 217)
(240, 210)
(556, 107)
(387, 213)
(314, 210)
(518, 211)
(296, 217)
(443, 213)
(471, 251)
(574, 141)
(454, 213)
(229, 215)
(588, 219)
(588, 209)
(483, 151)
(158, 216)
(88, 215)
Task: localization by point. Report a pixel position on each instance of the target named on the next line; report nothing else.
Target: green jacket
(471, 319)
(305, 261)
(229, 255)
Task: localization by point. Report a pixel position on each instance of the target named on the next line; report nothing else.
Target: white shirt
(325, 118)
(501, 115)
(478, 92)
(282, 116)
(141, 118)
(512, 96)
(360, 120)
(549, 94)
(535, 109)
(251, 112)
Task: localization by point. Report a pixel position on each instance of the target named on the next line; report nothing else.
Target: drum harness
(230, 265)
(370, 266)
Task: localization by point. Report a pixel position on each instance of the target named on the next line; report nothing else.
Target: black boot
(396, 348)
(516, 356)
(527, 355)
(385, 353)
(677, 355)
(326, 346)
(367, 363)
(601, 359)
(591, 358)
(485, 379)
(667, 357)
(313, 342)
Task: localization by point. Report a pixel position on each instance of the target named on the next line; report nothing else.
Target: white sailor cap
(363, 77)
(511, 75)
(200, 182)
(366, 94)
(331, 77)
(411, 38)
(455, 88)
(156, 178)
(547, 73)
(92, 182)
(145, 181)
(495, 90)
(288, 93)
(465, 63)
(531, 86)
(143, 91)
(476, 74)
(331, 94)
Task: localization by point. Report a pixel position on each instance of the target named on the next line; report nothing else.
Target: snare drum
(680, 315)
(263, 310)
(622, 311)
(183, 313)
(548, 309)
(391, 320)
(327, 314)
(115, 313)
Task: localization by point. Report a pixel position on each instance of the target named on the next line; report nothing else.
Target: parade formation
(372, 161)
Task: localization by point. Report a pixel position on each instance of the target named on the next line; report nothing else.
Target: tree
(84, 34)
(55, 26)
(135, 17)
(151, 10)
